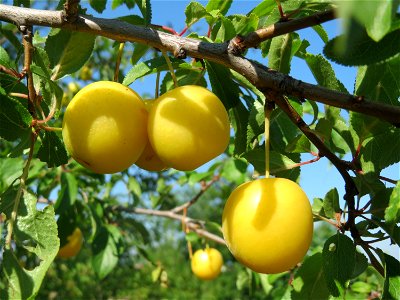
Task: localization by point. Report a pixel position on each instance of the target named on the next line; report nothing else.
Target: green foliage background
(44, 194)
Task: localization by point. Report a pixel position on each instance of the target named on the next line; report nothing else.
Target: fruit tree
(146, 145)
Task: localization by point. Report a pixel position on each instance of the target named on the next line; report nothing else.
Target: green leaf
(360, 49)
(5, 59)
(68, 51)
(105, 250)
(221, 5)
(323, 72)
(184, 77)
(98, 5)
(255, 126)
(309, 280)
(339, 258)
(361, 264)
(278, 161)
(301, 144)
(223, 30)
(380, 151)
(223, 85)
(194, 12)
(15, 118)
(239, 116)
(282, 129)
(361, 287)
(380, 202)
(263, 8)
(378, 81)
(391, 289)
(244, 24)
(375, 16)
(52, 150)
(319, 29)
(331, 203)
(150, 66)
(36, 231)
(10, 170)
(392, 212)
(145, 9)
(138, 52)
(68, 193)
(192, 237)
(280, 53)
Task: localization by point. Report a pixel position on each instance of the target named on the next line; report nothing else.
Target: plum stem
(119, 57)
(171, 68)
(267, 114)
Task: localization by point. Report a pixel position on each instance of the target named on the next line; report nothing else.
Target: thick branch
(259, 75)
(262, 34)
(192, 224)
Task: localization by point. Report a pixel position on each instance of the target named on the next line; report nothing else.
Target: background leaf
(105, 250)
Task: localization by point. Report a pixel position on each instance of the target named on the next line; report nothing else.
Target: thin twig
(204, 188)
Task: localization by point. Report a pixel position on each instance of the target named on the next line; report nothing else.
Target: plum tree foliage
(132, 220)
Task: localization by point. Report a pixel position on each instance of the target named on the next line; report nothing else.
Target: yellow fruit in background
(73, 245)
(85, 73)
(268, 224)
(188, 126)
(206, 264)
(105, 127)
(149, 159)
(73, 87)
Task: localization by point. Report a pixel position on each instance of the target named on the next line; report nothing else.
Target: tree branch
(192, 224)
(253, 39)
(259, 75)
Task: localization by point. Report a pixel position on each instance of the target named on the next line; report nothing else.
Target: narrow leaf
(149, 67)
(323, 72)
(280, 53)
(69, 190)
